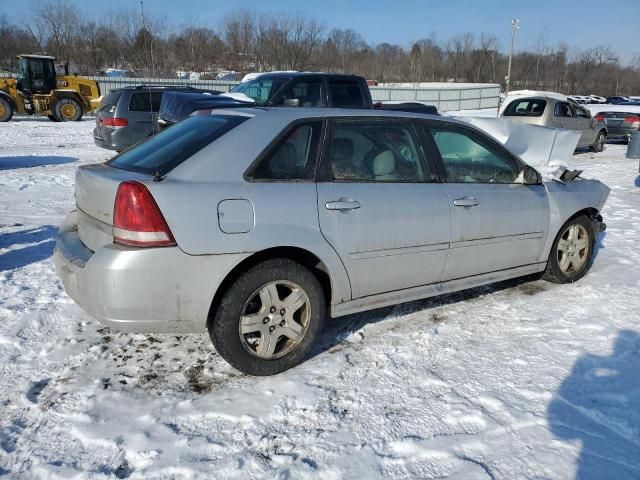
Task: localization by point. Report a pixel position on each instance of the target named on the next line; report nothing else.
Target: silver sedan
(254, 224)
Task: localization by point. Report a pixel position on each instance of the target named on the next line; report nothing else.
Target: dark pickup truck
(286, 89)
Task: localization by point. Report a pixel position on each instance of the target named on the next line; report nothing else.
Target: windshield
(260, 89)
(165, 151)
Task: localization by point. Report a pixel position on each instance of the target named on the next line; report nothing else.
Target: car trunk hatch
(96, 187)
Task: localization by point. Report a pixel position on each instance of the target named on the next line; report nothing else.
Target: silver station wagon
(255, 224)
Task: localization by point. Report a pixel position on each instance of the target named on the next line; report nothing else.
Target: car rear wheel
(68, 110)
(572, 252)
(598, 145)
(6, 110)
(269, 318)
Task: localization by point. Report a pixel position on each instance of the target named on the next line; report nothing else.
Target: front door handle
(344, 204)
(466, 201)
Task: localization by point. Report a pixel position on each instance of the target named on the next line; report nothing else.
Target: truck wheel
(572, 252)
(53, 118)
(269, 318)
(6, 110)
(67, 110)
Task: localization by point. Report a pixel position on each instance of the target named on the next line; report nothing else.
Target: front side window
(346, 94)
(309, 93)
(563, 110)
(375, 151)
(528, 107)
(469, 158)
(293, 157)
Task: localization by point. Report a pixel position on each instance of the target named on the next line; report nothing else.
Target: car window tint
(563, 109)
(346, 94)
(294, 157)
(309, 93)
(375, 150)
(168, 149)
(145, 102)
(531, 107)
(109, 101)
(468, 158)
(260, 89)
(581, 113)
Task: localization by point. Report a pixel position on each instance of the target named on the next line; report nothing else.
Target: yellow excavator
(37, 90)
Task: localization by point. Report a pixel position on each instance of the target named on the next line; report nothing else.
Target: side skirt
(432, 290)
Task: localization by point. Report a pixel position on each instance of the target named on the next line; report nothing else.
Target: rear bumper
(155, 290)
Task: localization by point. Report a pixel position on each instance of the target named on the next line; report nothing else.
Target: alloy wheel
(573, 249)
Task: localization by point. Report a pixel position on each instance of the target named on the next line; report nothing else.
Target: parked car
(127, 115)
(176, 106)
(555, 110)
(615, 100)
(254, 224)
(620, 124)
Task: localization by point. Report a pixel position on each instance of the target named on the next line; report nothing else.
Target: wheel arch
(300, 255)
(9, 98)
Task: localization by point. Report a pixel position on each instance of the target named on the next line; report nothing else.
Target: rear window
(165, 151)
(346, 94)
(527, 107)
(145, 102)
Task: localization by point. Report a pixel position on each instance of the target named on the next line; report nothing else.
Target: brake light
(115, 122)
(137, 220)
(634, 120)
(599, 117)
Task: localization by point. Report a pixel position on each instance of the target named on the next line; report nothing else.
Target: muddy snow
(520, 380)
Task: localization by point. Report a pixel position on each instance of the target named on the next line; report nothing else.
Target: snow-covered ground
(522, 380)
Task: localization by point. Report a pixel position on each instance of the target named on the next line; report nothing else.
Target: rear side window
(145, 102)
(346, 94)
(563, 109)
(528, 107)
(109, 101)
(293, 157)
(165, 151)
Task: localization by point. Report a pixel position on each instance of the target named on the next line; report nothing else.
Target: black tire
(554, 273)
(598, 145)
(224, 326)
(6, 110)
(53, 118)
(62, 110)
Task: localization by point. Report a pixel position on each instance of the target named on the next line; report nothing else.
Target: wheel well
(7, 97)
(299, 255)
(590, 213)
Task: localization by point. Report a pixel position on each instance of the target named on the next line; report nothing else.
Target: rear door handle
(344, 205)
(466, 201)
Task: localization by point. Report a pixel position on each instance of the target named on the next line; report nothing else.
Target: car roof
(44, 57)
(301, 74)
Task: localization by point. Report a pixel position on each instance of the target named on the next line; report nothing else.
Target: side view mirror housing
(530, 176)
(291, 102)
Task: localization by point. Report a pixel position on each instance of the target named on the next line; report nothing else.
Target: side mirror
(530, 176)
(291, 102)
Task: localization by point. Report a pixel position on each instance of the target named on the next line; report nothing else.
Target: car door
(143, 108)
(586, 125)
(564, 117)
(381, 206)
(497, 222)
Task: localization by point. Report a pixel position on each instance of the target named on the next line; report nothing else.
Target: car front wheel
(572, 252)
(269, 318)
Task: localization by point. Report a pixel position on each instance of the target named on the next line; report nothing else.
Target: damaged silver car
(255, 224)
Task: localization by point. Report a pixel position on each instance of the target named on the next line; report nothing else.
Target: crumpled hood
(544, 148)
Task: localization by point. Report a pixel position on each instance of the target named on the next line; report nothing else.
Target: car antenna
(157, 177)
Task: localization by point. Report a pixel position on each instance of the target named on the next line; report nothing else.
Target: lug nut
(273, 310)
(283, 311)
(282, 323)
(271, 329)
(265, 320)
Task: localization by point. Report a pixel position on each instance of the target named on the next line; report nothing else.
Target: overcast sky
(582, 24)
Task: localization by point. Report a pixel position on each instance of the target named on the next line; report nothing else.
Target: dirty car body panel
(396, 226)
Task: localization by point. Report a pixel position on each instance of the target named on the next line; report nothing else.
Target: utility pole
(515, 24)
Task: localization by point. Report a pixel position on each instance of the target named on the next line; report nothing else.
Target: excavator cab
(36, 74)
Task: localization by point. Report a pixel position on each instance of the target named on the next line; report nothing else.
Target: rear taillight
(599, 117)
(115, 122)
(634, 120)
(137, 220)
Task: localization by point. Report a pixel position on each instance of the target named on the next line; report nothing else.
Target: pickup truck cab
(306, 89)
